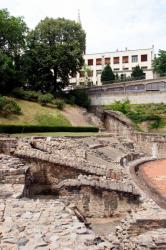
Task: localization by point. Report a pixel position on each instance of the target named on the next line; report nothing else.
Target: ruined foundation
(58, 193)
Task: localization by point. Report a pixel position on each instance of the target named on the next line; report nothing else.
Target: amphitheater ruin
(83, 193)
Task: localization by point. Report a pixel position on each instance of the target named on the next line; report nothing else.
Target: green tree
(55, 53)
(7, 73)
(137, 73)
(107, 75)
(13, 32)
(159, 63)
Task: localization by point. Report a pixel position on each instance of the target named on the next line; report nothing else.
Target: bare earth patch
(75, 116)
(155, 173)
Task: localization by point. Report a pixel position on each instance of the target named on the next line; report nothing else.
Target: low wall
(148, 142)
(7, 145)
(95, 202)
(119, 125)
(134, 98)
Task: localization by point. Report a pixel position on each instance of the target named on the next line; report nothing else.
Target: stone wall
(147, 140)
(12, 170)
(7, 144)
(98, 202)
(107, 97)
(117, 124)
(98, 190)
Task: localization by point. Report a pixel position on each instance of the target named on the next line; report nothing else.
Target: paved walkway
(155, 175)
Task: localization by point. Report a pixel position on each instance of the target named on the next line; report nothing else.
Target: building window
(98, 61)
(107, 60)
(90, 73)
(116, 60)
(125, 59)
(144, 58)
(116, 69)
(125, 68)
(90, 62)
(134, 59)
(82, 73)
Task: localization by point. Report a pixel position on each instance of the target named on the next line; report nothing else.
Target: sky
(109, 24)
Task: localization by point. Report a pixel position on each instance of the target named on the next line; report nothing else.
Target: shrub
(8, 106)
(45, 99)
(70, 100)
(11, 129)
(122, 106)
(80, 97)
(60, 104)
(25, 94)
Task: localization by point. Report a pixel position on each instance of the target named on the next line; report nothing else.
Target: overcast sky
(109, 24)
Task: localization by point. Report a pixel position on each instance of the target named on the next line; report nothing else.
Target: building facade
(121, 62)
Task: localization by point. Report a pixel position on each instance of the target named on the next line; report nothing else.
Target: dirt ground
(155, 173)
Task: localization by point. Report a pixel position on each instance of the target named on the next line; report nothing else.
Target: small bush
(8, 106)
(25, 94)
(123, 107)
(80, 97)
(45, 99)
(60, 104)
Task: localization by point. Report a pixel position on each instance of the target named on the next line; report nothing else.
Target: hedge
(14, 129)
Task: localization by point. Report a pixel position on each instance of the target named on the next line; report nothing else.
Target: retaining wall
(134, 98)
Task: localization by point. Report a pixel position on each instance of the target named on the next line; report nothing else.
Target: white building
(121, 62)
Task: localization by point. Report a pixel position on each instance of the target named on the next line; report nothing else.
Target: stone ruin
(76, 193)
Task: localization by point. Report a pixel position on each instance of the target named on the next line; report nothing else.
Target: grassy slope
(35, 114)
(142, 110)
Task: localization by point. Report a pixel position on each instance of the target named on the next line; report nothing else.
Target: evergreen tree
(159, 63)
(107, 75)
(137, 73)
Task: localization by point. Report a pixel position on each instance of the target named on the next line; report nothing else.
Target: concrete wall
(135, 98)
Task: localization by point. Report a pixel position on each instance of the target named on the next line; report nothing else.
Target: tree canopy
(13, 32)
(54, 53)
(137, 73)
(107, 75)
(42, 59)
(159, 63)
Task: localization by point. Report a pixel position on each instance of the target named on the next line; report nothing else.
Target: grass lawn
(35, 114)
(55, 134)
